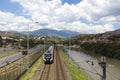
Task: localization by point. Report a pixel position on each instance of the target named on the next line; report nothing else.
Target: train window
(47, 55)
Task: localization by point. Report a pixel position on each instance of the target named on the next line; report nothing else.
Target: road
(6, 50)
(9, 59)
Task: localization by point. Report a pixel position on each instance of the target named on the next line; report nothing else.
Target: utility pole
(103, 65)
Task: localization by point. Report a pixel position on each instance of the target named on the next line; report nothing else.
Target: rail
(45, 73)
(59, 68)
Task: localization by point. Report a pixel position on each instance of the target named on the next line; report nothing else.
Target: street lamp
(69, 45)
(28, 46)
(44, 44)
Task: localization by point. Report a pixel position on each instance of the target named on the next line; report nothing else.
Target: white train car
(48, 56)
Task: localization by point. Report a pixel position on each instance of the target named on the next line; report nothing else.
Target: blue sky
(71, 1)
(8, 6)
(17, 9)
(76, 15)
(13, 7)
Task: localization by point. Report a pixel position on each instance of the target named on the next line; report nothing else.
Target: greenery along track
(74, 71)
(33, 71)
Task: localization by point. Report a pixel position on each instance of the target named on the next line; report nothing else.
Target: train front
(48, 58)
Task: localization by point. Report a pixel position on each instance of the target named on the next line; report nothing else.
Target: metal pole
(27, 66)
(104, 72)
(103, 65)
(28, 40)
(44, 45)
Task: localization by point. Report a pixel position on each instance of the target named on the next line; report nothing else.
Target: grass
(30, 74)
(74, 70)
(8, 53)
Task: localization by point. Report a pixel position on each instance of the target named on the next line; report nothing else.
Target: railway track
(55, 71)
(59, 67)
(45, 73)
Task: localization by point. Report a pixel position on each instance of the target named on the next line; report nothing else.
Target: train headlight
(51, 59)
(44, 59)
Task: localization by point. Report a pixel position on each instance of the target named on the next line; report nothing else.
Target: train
(48, 56)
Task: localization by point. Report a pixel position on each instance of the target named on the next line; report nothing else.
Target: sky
(84, 16)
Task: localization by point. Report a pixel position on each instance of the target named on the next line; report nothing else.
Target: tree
(0, 41)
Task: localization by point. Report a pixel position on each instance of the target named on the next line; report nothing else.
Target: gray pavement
(6, 50)
(9, 59)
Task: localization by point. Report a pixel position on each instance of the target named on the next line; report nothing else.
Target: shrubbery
(107, 49)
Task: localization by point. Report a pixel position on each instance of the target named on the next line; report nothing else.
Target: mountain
(113, 32)
(109, 37)
(50, 32)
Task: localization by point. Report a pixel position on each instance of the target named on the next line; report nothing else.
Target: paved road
(11, 58)
(6, 50)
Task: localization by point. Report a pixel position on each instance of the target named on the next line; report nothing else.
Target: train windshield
(47, 56)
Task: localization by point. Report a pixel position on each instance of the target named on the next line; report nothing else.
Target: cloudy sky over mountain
(85, 16)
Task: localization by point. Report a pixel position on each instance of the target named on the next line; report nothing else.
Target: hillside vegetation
(107, 49)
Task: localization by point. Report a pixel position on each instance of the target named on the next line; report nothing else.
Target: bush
(106, 49)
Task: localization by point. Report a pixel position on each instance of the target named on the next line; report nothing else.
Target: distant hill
(110, 36)
(113, 32)
(50, 32)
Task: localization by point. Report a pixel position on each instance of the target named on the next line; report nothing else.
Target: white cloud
(53, 14)
(104, 28)
(94, 10)
(11, 22)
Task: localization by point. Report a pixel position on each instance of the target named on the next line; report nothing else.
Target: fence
(15, 69)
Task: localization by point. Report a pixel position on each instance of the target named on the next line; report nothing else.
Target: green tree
(0, 41)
